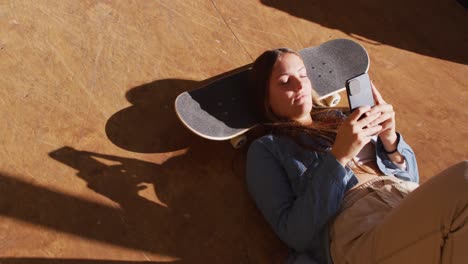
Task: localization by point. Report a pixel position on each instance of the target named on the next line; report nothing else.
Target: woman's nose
(297, 84)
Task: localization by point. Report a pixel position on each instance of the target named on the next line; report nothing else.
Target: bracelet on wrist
(391, 152)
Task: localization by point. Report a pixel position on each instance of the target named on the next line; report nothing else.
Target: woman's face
(290, 90)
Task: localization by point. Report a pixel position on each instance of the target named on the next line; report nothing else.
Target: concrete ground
(96, 168)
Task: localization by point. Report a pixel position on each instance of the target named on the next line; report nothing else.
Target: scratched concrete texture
(96, 168)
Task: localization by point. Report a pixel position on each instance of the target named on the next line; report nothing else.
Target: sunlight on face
(290, 90)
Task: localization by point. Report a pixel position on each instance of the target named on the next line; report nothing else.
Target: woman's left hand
(386, 119)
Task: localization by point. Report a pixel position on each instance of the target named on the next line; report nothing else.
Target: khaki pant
(385, 221)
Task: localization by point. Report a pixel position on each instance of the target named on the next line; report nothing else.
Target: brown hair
(326, 120)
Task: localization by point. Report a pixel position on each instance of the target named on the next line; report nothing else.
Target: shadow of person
(432, 28)
(199, 211)
(193, 206)
(120, 180)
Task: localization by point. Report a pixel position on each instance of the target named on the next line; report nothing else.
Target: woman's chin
(304, 108)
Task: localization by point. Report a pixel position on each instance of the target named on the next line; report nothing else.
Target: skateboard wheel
(239, 141)
(333, 100)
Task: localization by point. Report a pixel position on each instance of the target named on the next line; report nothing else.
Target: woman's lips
(299, 98)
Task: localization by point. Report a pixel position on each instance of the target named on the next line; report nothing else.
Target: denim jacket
(299, 191)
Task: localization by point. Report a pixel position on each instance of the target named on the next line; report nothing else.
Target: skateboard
(219, 110)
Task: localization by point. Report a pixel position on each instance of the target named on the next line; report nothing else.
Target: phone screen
(359, 92)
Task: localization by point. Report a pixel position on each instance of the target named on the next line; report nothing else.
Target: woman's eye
(285, 81)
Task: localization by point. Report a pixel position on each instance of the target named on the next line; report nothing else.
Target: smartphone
(359, 92)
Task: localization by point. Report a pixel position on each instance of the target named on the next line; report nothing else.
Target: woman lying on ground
(344, 189)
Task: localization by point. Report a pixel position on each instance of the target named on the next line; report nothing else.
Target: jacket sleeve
(389, 168)
(295, 219)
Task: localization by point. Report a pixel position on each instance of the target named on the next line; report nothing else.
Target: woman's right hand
(354, 134)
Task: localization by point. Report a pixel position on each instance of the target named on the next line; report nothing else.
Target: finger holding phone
(362, 92)
(353, 134)
(388, 134)
(386, 120)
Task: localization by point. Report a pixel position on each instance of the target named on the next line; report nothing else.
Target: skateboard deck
(219, 110)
